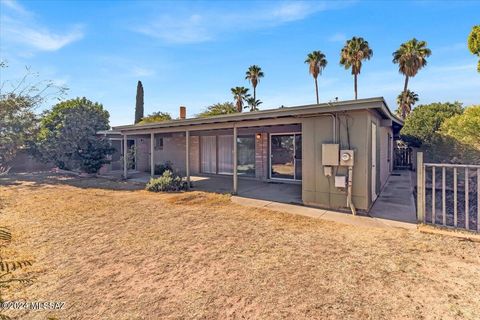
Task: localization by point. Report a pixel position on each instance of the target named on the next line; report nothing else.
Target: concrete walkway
(323, 214)
(396, 201)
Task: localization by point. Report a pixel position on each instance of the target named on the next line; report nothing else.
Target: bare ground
(110, 251)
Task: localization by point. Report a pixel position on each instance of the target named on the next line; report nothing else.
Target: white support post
(125, 154)
(187, 157)
(152, 159)
(235, 177)
(420, 188)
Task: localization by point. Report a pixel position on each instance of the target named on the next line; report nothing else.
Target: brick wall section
(261, 157)
(194, 154)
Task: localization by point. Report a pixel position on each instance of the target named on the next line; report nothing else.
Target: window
(158, 143)
(246, 155)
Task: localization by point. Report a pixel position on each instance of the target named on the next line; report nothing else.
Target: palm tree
(253, 104)
(405, 103)
(317, 62)
(240, 94)
(411, 57)
(352, 54)
(253, 74)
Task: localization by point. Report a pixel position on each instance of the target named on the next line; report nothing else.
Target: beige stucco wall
(385, 154)
(319, 190)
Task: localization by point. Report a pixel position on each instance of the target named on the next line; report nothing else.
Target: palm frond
(8, 266)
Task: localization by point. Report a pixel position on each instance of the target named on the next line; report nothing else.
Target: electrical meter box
(330, 154)
(346, 158)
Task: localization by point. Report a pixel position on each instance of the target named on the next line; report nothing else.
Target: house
(313, 146)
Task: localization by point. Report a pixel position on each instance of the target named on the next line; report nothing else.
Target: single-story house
(334, 150)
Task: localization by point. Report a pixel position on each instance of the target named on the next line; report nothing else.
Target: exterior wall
(319, 190)
(385, 154)
(24, 162)
(194, 156)
(261, 156)
(142, 156)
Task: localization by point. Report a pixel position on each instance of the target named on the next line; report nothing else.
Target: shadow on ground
(42, 179)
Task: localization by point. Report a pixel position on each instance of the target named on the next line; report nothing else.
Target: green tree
(411, 57)
(464, 127)
(351, 56)
(68, 135)
(240, 95)
(18, 121)
(156, 117)
(139, 103)
(253, 74)
(316, 63)
(218, 109)
(406, 103)
(253, 104)
(421, 127)
(17, 125)
(474, 43)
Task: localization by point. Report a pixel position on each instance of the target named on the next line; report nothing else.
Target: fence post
(420, 188)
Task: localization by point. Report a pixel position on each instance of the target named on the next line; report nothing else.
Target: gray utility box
(346, 158)
(330, 154)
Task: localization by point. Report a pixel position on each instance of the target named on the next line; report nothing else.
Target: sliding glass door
(286, 156)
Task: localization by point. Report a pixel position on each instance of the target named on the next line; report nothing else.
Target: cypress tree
(139, 103)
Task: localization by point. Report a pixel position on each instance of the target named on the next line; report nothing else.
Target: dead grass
(116, 252)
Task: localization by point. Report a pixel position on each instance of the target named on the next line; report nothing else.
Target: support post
(152, 159)
(235, 177)
(187, 157)
(125, 151)
(420, 188)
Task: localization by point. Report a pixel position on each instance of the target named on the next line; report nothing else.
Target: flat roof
(376, 103)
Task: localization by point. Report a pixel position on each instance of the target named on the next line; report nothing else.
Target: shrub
(67, 136)
(161, 168)
(167, 182)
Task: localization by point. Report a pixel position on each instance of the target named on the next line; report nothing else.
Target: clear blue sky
(192, 53)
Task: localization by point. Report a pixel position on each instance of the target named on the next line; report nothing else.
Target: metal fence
(448, 194)
(402, 158)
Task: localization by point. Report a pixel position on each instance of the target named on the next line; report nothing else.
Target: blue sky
(192, 53)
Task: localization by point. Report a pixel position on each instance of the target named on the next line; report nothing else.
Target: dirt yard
(111, 251)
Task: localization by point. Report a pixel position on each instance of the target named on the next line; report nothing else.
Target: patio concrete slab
(396, 201)
(323, 214)
(249, 188)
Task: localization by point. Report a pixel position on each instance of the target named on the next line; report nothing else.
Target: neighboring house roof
(377, 103)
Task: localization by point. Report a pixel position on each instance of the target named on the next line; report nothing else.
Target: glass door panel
(298, 157)
(282, 153)
(246, 155)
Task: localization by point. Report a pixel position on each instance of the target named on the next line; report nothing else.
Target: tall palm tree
(405, 103)
(253, 74)
(411, 57)
(351, 56)
(253, 104)
(240, 94)
(317, 62)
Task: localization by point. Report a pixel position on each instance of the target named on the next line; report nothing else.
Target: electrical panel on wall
(330, 153)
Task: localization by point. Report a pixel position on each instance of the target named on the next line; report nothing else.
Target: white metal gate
(448, 195)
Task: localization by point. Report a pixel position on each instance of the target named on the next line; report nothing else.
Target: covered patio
(248, 188)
